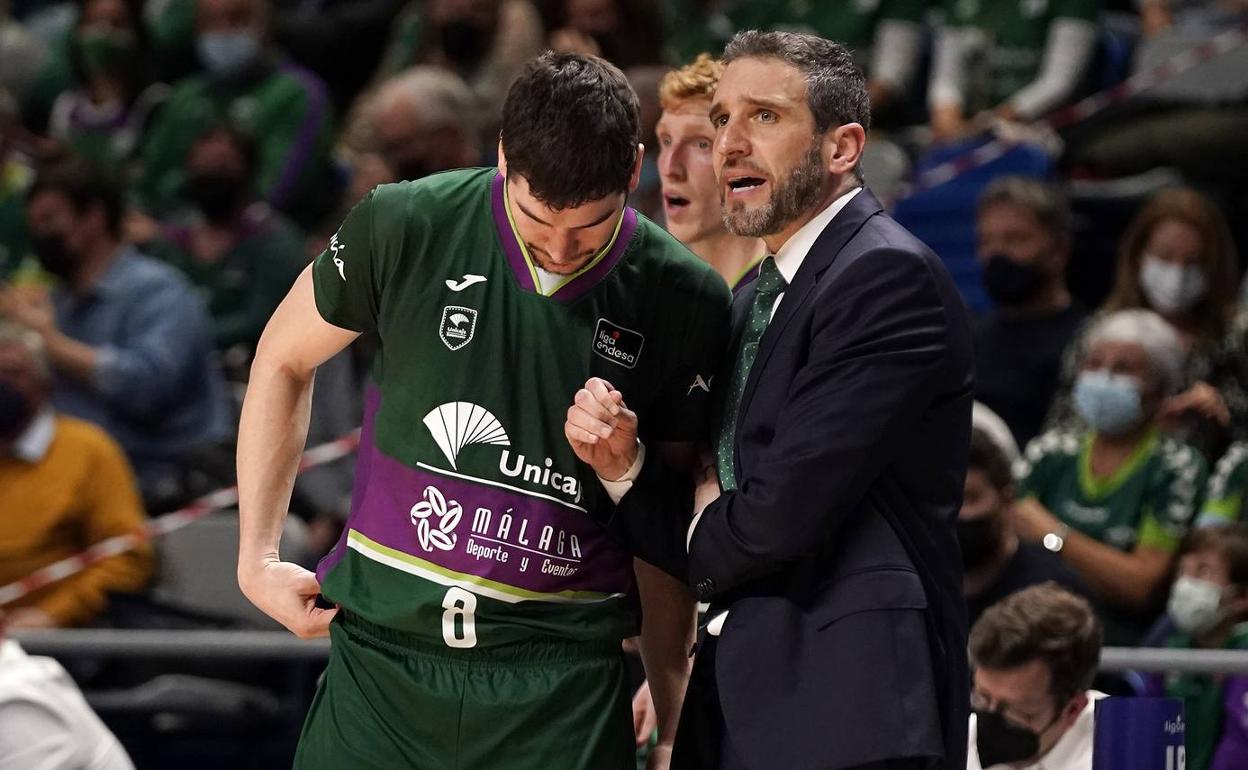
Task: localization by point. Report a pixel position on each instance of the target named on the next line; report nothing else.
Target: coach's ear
(633, 181)
(502, 158)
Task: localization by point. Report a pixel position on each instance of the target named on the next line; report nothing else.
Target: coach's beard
(792, 197)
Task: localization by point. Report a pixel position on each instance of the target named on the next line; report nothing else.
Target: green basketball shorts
(390, 702)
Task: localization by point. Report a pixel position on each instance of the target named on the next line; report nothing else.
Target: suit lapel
(823, 253)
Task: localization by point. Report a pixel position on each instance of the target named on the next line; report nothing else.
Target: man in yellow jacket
(64, 485)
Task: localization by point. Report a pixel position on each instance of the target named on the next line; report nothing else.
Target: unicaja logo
(435, 519)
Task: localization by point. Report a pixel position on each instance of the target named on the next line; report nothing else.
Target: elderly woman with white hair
(1116, 498)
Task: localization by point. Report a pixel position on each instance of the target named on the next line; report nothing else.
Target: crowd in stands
(168, 167)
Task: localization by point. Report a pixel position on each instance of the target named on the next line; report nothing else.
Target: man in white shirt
(1035, 654)
(46, 723)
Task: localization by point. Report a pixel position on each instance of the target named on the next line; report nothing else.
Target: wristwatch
(1054, 541)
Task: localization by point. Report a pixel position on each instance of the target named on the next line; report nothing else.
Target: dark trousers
(702, 743)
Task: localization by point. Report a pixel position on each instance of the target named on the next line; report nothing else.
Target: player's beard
(791, 198)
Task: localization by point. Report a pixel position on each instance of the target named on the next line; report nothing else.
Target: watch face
(1053, 542)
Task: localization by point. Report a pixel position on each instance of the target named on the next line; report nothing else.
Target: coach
(837, 630)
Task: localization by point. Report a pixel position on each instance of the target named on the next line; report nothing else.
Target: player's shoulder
(672, 268)
(437, 199)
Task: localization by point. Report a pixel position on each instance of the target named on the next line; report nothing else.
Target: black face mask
(55, 256)
(218, 196)
(464, 43)
(980, 540)
(1000, 741)
(15, 411)
(1009, 283)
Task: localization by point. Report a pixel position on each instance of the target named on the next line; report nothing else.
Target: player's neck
(728, 254)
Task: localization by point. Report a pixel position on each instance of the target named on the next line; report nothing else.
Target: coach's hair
(571, 126)
(836, 88)
(1045, 623)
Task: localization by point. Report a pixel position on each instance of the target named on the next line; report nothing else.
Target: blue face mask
(1109, 403)
(228, 53)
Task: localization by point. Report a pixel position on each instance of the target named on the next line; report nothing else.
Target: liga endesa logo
(617, 344)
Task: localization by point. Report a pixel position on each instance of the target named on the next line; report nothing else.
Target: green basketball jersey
(1149, 502)
(1224, 500)
(1018, 31)
(471, 516)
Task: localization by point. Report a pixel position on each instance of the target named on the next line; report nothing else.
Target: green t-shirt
(245, 286)
(1017, 31)
(849, 22)
(1149, 502)
(1204, 702)
(1224, 500)
(286, 110)
(471, 517)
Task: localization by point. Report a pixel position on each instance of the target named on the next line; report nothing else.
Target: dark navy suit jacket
(846, 641)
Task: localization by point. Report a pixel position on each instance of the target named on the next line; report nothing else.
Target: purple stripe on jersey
(507, 237)
(473, 528)
(590, 278)
(363, 468)
(303, 149)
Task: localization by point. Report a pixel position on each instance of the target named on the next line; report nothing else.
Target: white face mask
(1172, 289)
(1195, 605)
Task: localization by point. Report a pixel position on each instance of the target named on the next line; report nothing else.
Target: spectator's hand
(30, 309)
(1202, 399)
(1155, 18)
(287, 593)
(602, 430)
(1032, 521)
(572, 40)
(645, 718)
(28, 618)
(949, 125)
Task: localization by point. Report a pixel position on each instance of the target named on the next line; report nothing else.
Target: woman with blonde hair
(1178, 260)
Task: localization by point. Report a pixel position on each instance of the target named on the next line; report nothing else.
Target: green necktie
(770, 285)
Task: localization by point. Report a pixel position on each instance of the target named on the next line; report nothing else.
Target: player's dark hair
(571, 126)
(85, 186)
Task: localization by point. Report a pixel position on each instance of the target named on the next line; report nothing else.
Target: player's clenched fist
(287, 593)
(602, 430)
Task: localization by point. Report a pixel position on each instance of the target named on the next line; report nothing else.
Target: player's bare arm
(271, 436)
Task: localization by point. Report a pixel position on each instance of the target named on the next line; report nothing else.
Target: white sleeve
(1067, 54)
(948, 82)
(619, 487)
(896, 53)
(36, 738)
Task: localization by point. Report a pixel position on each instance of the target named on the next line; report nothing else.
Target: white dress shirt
(47, 724)
(32, 446)
(788, 260)
(1073, 751)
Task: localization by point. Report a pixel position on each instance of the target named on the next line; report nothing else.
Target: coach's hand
(602, 430)
(287, 593)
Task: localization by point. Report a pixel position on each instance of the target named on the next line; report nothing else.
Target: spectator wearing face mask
(1209, 609)
(1023, 228)
(485, 42)
(238, 251)
(423, 121)
(128, 337)
(1178, 260)
(1035, 655)
(64, 486)
(1116, 498)
(995, 562)
(246, 83)
(103, 117)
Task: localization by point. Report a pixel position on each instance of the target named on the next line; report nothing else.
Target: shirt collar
(791, 255)
(32, 446)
